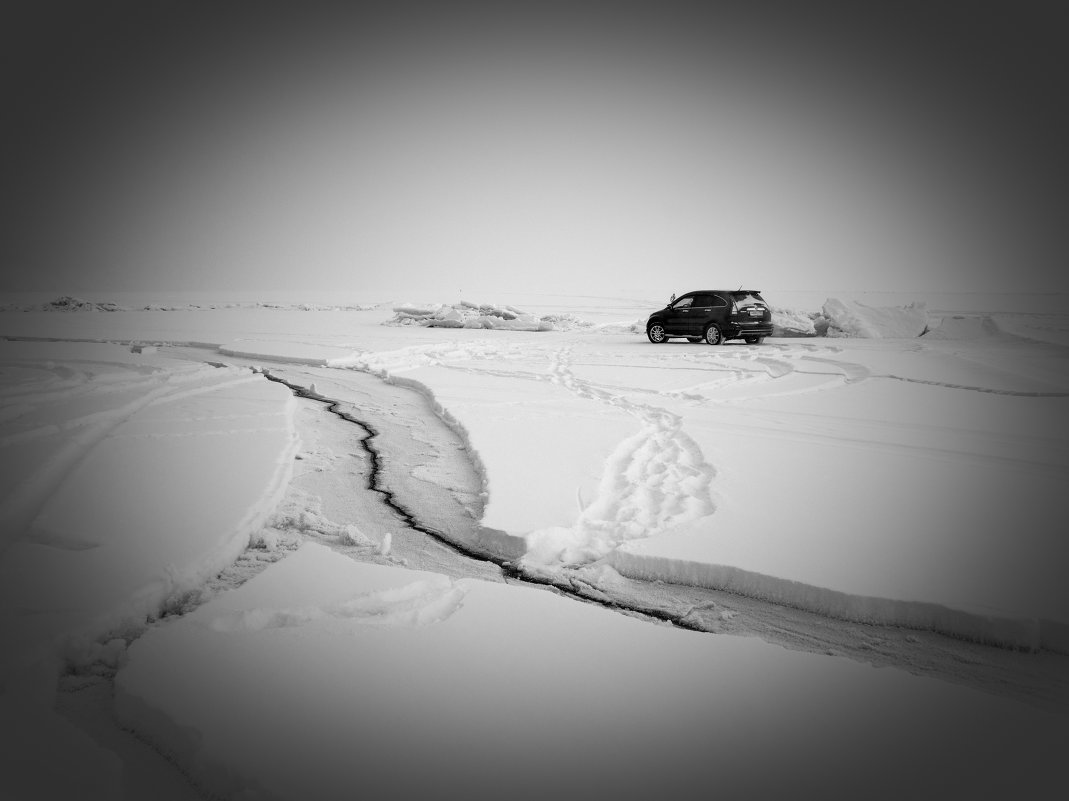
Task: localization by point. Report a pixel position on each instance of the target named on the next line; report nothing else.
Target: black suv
(715, 315)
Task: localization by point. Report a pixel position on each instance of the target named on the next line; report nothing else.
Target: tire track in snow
(1018, 393)
(852, 373)
(749, 368)
(19, 509)
(33, 402)
(26, 500)
(855, 373)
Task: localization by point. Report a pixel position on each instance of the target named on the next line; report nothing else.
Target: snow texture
(792, 323)
(322, 677)
(467, 315)
(873, 475)
(117, 496)
(844, 318)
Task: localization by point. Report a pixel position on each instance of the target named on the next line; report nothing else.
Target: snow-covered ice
(840, 318)
(111, 501)
(116, 498)
(324, 677)
(875, 478)
(874, 475)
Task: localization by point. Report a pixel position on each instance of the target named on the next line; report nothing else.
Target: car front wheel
(713, 335)
(754, 340)
(656, 333)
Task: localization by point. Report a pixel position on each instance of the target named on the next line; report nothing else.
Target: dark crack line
(563, 585)
(374, 482)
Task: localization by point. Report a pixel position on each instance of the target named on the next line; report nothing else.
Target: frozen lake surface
(898, 481)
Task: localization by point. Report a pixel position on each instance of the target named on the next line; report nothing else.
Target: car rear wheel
(713, 336)
(656, 333)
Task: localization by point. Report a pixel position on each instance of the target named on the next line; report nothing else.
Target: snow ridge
(985, 626)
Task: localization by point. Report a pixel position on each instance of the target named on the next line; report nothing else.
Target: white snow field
(866, 475)
(326, 678)
(120, 491)
(899, 480)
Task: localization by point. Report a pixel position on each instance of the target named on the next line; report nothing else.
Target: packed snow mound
(849, 318)
(792, 323)
(466, 314)
(69, 303)
(566, 321)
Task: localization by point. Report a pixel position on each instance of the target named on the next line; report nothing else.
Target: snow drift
(846, 318)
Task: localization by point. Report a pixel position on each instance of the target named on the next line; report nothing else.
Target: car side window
(703, 301)
(718, 302)
(683, 303)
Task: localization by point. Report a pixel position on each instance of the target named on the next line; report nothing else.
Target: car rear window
(744, 299)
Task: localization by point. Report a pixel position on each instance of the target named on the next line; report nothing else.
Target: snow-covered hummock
(75, 304)
(849, 318)
(327, 678)
(466, 314)
(792, 323)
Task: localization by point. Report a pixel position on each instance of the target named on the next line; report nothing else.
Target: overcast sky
(557, 147)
